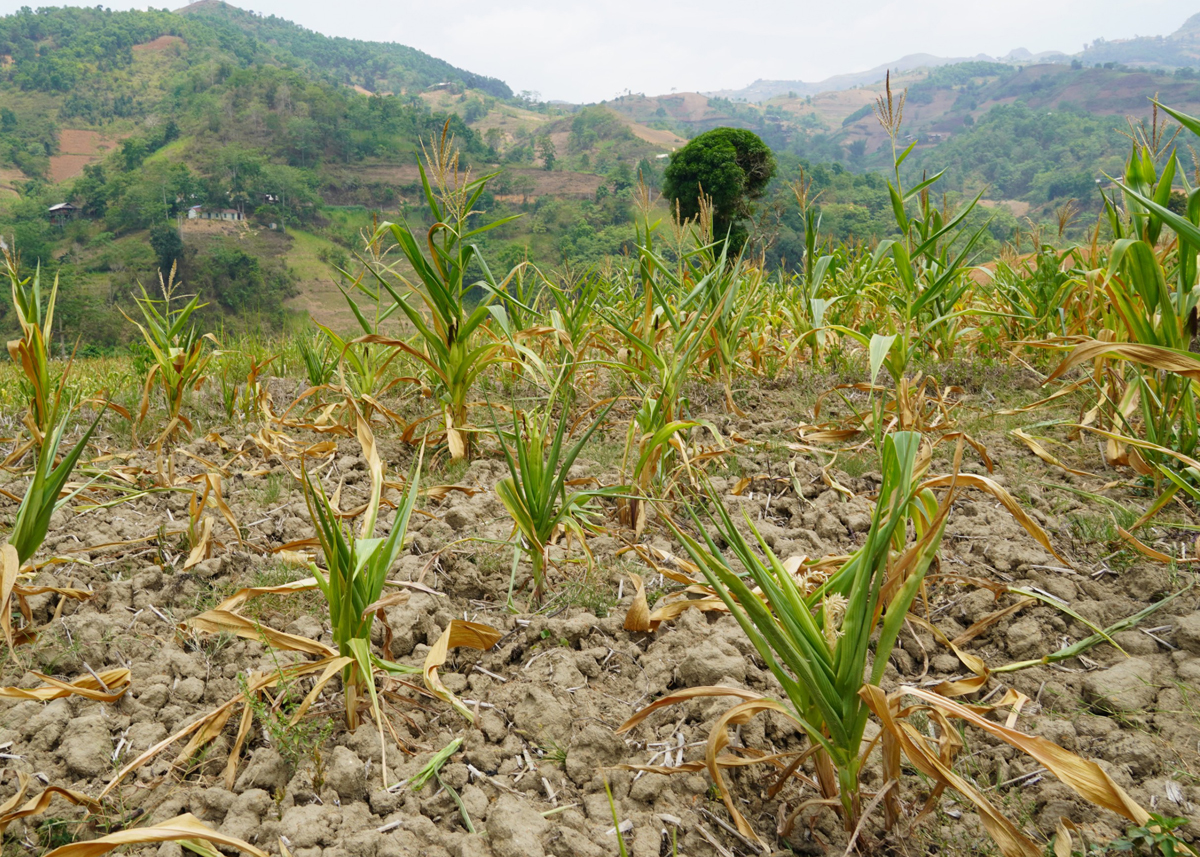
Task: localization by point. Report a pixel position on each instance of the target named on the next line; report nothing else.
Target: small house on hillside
(200, 212)
(62, 213)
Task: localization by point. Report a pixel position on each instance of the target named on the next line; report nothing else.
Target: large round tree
(730, 165)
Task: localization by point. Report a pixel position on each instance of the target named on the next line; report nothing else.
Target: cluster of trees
(55, 50)
(377, 66)
(1035, 155)
(27, 140)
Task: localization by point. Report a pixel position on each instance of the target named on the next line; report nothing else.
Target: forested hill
(374, 66)
(58, 49)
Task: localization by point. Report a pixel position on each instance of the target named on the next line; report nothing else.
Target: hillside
(149, 122)
(1029, 133)
(375, 66)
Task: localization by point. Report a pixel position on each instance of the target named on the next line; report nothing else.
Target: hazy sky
(589, 51)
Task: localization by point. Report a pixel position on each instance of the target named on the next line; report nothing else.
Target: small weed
(294, 742)
(271, 490)
(555, 753)
(56, 832)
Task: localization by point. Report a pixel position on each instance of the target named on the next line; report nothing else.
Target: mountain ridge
(1180, 49)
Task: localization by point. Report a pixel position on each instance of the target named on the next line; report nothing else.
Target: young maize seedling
(356, 569)
(535, 491)
(32, 351)
(180, 356)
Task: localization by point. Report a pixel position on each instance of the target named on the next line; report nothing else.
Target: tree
(547, 150)
(732, 167)
(167, 245)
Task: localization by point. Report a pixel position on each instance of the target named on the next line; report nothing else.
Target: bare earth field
(531, 770)
(76, 149)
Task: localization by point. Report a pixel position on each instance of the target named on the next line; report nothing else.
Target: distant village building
(62, 213)
(199, 212)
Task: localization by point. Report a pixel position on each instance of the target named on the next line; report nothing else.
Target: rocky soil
(531, 771)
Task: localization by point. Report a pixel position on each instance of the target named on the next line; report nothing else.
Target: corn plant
(827, 637)
(665, 346)
(1150, 407)
(535, 492)
(319, 363)
(356, 568)
(180, 355)
(32, 351)
(823, 641)
(453, 344)
(42, 497)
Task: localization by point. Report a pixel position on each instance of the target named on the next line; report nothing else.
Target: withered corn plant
(827, 636)
(452, 341)
(181, 355)
(539, 455)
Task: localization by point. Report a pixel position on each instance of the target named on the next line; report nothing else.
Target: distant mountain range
(1178, 50)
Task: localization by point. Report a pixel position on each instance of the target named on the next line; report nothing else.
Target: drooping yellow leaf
(225, 622)
(115, 683)
(457, 633)
(10, 811)
(638, 617)
(1087, 778)
(983, 483)
(683, 696)
(185, 826)
(925, 759)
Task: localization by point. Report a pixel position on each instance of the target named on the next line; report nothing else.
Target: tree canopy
(731, 166)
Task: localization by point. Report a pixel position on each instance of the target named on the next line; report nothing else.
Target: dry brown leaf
(185, 826)
(638, 617)
(916, 749)
(110, 688)
(9, 811)
(718, 739)
(982, 483)
(389, 600)
(1154, 356)
(1044, 454)
(457, 633)
(455, 440)
(1087, 778)
(683, 696)
(203, 544)
(1147, 551)
(225, 622)
(985, 622)
(677, 607)
(438, 493)
(10, 566)
(233, 602)
(256, 683)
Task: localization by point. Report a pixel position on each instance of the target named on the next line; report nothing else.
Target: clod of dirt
(347, 775)
(1024, 638)
(87, 747)
(594, 747)
(244, 818)
(267, 770)
(515, 828)
(1121, 689)
(1187, 633)
(540, 714)
(710, 661)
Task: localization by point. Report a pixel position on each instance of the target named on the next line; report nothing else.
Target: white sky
(589, 51)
